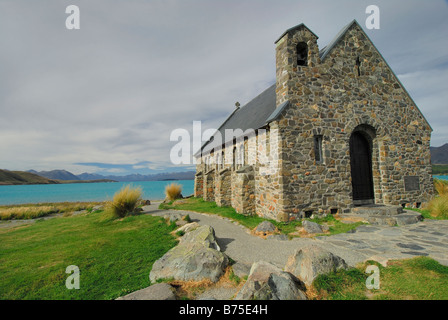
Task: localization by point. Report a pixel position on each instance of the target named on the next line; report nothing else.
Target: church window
(302, 54)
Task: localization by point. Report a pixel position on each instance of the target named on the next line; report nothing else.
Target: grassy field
(251, 221)
(114, 256)
(420, 278)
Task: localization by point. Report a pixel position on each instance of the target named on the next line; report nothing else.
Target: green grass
(114, 256)
(420, 278)
(440, 169)
(252, 221)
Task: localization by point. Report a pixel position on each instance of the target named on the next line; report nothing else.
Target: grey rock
(309, 262)
(312, 227)
(405, 219)
(158, 291)
(240, 269)
(265, 227)
(172, 217)
(204, 235)
(195, 258)
(268, 282)
(188, 227)
(181, 223)
(282, 237)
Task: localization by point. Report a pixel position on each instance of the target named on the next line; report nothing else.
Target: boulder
(312, 227)
(268, 282)
(173, 217)
(203, 235)
(188, 227)
(195, 258)
(266, 227)
(281, 237)
(158, 291)
(309, 262)
(241, 270)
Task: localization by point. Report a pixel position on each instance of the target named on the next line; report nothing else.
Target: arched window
(222, 159)
(234, 157)
(241, 155)
(302, 54)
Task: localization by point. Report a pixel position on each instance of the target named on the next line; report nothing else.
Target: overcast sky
(106, 98)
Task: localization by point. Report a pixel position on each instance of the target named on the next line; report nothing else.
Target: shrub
(441, 187)
(124, 201)
(439, 207)
(173, 191)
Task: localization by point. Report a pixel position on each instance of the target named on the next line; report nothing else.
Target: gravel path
(382, 243)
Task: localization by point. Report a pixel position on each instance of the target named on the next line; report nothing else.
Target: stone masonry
(343, 132)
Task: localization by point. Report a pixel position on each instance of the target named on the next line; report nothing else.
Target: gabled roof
(327, 49)
(262, 110)
(295, 28)
(253, 115)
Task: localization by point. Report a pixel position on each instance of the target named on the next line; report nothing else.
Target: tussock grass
(441, 187)
(26, 212)
(438, 207)
(173, 191)
(32, 211)
(124, 202)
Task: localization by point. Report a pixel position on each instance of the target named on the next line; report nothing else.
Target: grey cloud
(139, 69)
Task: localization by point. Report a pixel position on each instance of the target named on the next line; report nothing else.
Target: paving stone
(410, 246)
(393, 232)
(437, 233)
(415, 253)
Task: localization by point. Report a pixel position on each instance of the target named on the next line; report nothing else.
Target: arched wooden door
(361, 169)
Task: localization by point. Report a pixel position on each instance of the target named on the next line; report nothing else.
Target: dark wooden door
(361, 168)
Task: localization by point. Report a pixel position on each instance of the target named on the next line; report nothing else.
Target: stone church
(337, 130)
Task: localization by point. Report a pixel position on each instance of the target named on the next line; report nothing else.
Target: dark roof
(326, 50)
(295, 28)
(252, 115)
(277, 112)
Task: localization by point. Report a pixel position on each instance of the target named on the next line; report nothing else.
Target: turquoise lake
(152, 190)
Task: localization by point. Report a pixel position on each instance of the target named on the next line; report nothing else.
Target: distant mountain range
(23, 177)
(439, 155)
(66, 175)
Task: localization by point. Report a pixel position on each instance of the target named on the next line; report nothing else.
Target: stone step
(401, 219)
(377, 210)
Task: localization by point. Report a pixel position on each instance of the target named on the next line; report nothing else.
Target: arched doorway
(361, 168)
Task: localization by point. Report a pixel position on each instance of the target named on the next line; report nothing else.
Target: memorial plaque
(411, 183)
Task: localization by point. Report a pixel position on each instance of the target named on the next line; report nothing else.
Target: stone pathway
(380, 243)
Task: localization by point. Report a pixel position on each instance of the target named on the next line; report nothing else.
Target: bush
(439, 207)
(173, 191)
(441, 186)
(124, 201)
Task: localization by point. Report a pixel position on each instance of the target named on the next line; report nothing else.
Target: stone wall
(198, 182)
(223, 193)
(332, 100)
(351, 90)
